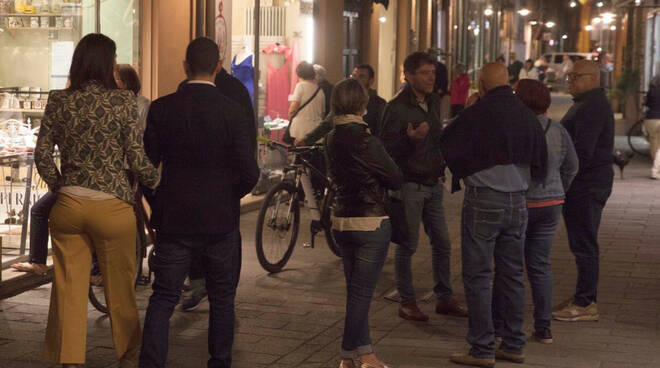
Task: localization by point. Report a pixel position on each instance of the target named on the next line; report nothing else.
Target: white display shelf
(26, 111)
(40, 28)
(41, 15)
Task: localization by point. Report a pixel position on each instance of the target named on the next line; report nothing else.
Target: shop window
(37, 40)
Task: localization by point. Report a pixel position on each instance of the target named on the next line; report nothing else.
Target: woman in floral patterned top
(95, 127)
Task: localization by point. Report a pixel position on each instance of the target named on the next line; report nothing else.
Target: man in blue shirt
(497, 147)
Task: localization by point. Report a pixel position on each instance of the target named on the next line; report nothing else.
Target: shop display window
(37, 40)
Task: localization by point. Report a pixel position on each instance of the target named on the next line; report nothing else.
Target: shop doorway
(351, 53)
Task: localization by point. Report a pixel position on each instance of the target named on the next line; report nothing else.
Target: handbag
(396, 210)
(287, 138)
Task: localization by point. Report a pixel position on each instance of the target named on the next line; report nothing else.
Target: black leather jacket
(421, 162)
(361, 169)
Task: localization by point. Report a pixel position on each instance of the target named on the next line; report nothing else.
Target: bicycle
(638, 139)
(280, 211)
(145, 237)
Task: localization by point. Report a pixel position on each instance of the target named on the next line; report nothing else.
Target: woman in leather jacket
(362, 171)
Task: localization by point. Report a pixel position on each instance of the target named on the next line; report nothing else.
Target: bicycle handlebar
(294, 149)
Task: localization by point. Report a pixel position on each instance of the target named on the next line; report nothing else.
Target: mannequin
(221, 31)
(243, 53)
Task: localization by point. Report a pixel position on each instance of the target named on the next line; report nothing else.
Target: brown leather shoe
(411, 311)
(467, 359)
(451, 307)
(501, 354)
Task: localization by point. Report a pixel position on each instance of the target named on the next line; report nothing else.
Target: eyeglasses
(574, 76)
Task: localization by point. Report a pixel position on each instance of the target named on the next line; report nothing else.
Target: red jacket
(460, 87)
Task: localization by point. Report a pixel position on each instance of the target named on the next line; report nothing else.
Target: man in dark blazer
(233, 89)
(199, 138)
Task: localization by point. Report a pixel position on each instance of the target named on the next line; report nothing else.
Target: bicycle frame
(304, 170)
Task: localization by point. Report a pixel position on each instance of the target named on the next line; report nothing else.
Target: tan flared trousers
(79, 227)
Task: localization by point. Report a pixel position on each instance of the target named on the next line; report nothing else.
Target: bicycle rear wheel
(277, 226)
(638, 139)
(96, 292)
(328, 206)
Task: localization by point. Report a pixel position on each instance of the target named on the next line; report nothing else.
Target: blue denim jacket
(562, 164)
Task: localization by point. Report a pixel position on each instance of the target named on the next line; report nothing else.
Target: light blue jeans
(363, 254)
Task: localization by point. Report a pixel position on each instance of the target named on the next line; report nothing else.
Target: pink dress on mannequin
(278, 84)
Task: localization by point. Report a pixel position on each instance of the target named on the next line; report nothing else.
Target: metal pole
(97, 14)
(257, 52)
(26, 203)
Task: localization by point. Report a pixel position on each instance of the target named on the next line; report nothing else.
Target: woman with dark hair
(363, 172)
(529, 71)
(127, 78)
(308, 105)
(95, 126)
(544, 204)
(652, 124)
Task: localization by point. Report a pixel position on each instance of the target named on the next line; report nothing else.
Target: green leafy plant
(627, 85)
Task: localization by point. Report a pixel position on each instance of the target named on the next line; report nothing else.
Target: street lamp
(588, 27)
(600, 4)
(524, 12)
(608, 17)
(488, 12)
(564, 37)
(550, 24)
(572, 4)
(613, 28)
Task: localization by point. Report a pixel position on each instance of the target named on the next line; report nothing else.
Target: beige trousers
(78, 228)
(653, 129)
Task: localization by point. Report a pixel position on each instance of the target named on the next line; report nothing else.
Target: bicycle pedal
(315, 227)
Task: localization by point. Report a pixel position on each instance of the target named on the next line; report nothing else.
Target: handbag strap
(305, 104)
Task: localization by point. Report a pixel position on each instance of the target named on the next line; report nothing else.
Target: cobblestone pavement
(295, 318)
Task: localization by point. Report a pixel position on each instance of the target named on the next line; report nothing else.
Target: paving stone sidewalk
(295, 318)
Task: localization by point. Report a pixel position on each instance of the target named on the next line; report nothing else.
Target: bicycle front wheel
(277, 226)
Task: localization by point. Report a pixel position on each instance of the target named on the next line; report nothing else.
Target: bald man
(590, 123)
(497, 147)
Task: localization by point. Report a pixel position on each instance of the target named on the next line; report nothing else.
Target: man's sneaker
(512, 357)
(543, 336)
(575, 313)
(197, 297)
(467, 359)
(563, 304)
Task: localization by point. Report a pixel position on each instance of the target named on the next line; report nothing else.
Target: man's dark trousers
(583, 210)
(221, 257)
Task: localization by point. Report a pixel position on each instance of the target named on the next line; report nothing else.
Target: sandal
(96, 280)
(37, 268)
